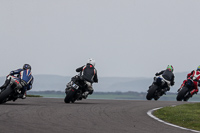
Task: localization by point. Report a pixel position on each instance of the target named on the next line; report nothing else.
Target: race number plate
(75, 86)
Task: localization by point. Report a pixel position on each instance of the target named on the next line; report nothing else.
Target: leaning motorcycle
(12, 90)
(157, 89)
(75, 89)
(184, 92)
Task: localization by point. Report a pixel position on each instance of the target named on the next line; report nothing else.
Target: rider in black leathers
(168, 76)
(89, 74)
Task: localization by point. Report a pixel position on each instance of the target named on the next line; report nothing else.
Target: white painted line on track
(152, 116)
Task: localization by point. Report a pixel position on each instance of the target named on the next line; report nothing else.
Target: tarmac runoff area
(50, 115)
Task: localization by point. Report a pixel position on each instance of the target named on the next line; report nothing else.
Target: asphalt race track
(46, 115)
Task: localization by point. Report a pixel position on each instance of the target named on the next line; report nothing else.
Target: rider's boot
(168, 88)
(85, 94)
(163, 91)
(193, 92)
(91, 92)
(23, 94)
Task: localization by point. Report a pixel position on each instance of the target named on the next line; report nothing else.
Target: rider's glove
(157, 74)
(11, 73)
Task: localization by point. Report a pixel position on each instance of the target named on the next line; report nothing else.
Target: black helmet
(26, 66)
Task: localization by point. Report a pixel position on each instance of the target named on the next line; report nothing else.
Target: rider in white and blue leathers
(26, 79)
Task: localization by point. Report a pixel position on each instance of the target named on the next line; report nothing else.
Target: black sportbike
(75, 89)
(158, 88)
(184, 92)
(12, 90)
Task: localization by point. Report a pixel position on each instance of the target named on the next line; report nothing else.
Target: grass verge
(186, 115)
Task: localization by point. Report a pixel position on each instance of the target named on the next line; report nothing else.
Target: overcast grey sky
(127, 38)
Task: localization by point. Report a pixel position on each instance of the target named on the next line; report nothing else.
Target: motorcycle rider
(168, 76)
(195, 76)
(25, 76)
(89, 74)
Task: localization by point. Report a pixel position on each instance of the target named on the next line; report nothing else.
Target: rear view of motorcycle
(75, 89)
(12, 90)
(158, 88)
(184, 92)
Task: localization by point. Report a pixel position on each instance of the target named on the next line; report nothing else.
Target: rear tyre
(69, 96)
(151, 92)
(182, 94)
(4, 94)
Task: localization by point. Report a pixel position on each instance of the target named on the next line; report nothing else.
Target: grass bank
(186, 115)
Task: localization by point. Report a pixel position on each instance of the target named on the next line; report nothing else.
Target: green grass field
(187, 115)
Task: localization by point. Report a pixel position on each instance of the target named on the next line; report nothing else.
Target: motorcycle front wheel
(151, 92)
(4, 94)
(182, 93)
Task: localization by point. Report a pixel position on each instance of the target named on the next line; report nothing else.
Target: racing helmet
(170, 67)
(198, 68)
(26, 66)
(91, 61)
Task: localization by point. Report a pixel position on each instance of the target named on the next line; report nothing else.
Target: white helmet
(91, 61)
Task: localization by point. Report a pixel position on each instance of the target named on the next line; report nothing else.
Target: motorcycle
(184, 92)
(12, 90)
(75, 89)
(157, 89)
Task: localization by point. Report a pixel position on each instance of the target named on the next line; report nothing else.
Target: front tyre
(4, 94)
(151, 92)
(182, 93)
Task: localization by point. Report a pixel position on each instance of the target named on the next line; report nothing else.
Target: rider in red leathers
(195, 76)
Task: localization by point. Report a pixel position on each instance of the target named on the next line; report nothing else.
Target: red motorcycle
(184, 92)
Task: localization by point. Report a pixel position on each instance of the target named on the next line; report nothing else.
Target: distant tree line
(96, 93)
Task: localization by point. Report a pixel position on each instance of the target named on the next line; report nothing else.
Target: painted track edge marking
(152, 116)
